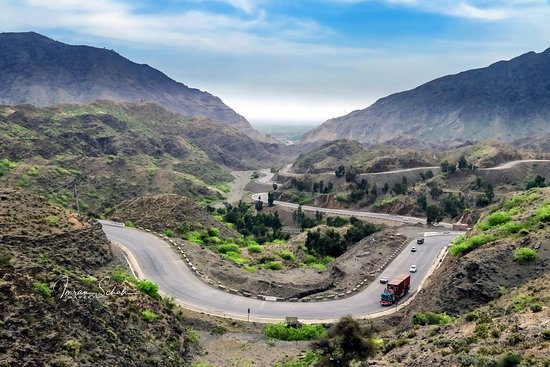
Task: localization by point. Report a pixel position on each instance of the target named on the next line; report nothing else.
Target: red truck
(395, 289)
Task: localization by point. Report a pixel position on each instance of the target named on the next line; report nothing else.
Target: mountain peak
(37, 70)
(506, 101)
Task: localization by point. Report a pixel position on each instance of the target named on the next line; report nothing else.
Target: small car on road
(420, 240)
(413, 249)
(384, 280)
(412, 269)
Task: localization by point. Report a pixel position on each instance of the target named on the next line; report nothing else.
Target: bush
(148, 315)
(510, 360)
(218, 330)
(282, 331)
(511, 228)
(430, 318)
(394, 343)
(536, 307)
(43, 289)
(543, 213)
(309, 259)
(229, 247)
(129, 224)
(193, 336)
(525, 254)
(463, 245)
(254, 248)
(120, 275)
(169, 233)
(286, 255)
(235, 257)
(149, 288)
(72, 346)
(273, 265)
(327, 260)
(498, 218)
(52, 220)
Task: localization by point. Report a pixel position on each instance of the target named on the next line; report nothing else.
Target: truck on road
(395, 289)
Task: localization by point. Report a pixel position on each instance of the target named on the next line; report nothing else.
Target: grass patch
(282, 331)
(495, 219)
(309, 359)
(519, 200)
(512, 228)
(120, 275)
(235, 257)
(169, 233)
(6, 166)
(250, 269)
(463, 245)
(525, 254)
(43, 289)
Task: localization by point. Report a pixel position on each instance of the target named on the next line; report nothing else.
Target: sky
(295, 61)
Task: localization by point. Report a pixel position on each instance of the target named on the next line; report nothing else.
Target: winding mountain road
(155, 260)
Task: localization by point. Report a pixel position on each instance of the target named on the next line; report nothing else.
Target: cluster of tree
(488, 194)
(332, 243)
(401, 187)
(303, 221)
(426, 175)
(539, 181)
(307, 185)
(462, 164)
(264, 227)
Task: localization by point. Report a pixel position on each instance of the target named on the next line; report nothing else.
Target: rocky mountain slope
(40, 71)
(106, 152)
(508, 100)
(64, 303)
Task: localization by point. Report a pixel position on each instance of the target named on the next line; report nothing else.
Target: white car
(413, 249)
(413, 269)
(383, 280)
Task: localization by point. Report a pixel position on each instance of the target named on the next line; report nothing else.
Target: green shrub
(536, 307)
(72, 346)
(229, 247)
(218, 330)
(169, 233)
(511, 228)
(498, 218)
(282, 331)
(430, 318)
(52, 220)
(33, 171)
(525, 254)
(309, 359)
(286, 255)
(120, 275)
(543, 213)
(254, 248)
(195, 237)
(545, 334)
(193, 336)
(521, 199)
(250, 269)
(89, 280)
(213, 232)
(463, 245)
(149, 288)
(327, 260)
(510, 360)
(235, 257)
(389, 345)
(129, 224)
(273, 265)
(309, 259)
(521, 302)
(43, 289)
(148, 315)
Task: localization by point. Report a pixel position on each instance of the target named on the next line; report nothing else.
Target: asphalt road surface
(160, 263)
(344, 212)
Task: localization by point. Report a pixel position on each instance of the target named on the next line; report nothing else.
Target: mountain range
(37, 70)
(506, 101)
